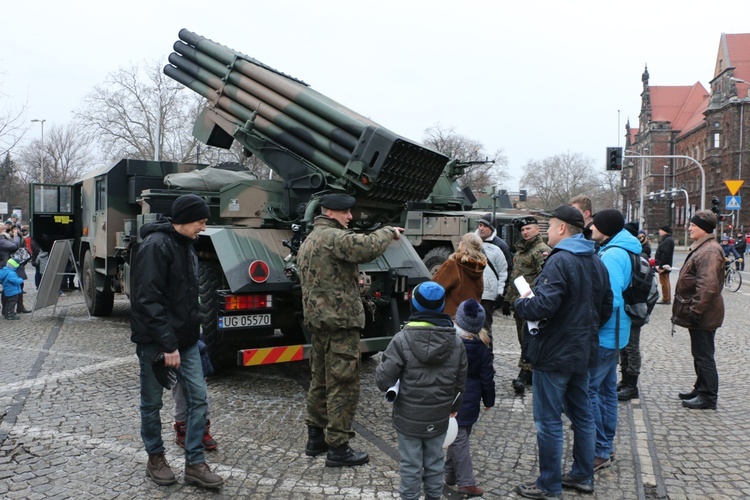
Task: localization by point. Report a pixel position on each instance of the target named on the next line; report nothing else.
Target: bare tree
(140, 113)
(13, 126)
(453, 145)
(554, 180)
(67, 155)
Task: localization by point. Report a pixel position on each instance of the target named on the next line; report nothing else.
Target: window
(100, 193)
(717, 140)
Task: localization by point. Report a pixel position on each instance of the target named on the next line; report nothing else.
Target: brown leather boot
(159, 470)
(201, 475)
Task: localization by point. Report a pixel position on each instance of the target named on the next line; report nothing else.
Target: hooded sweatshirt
(614, 254)
(429, 360)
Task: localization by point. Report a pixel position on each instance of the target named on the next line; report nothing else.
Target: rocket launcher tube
(273, 115)
(186, 55)
(293, 89)
(268, 129)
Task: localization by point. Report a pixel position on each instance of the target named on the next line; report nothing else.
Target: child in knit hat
(11, 288)
(429, 362)
(480, 387)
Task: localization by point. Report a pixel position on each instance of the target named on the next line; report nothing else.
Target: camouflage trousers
(334, 387)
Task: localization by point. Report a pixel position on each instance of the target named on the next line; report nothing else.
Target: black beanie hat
(666, 229)
(609, 222)
(632, 228)
(189, 208)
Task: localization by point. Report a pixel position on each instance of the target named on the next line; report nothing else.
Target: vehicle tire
(209, 281)
(435, 258)
(98, 303)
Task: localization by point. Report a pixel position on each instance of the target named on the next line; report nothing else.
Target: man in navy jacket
(572, 299)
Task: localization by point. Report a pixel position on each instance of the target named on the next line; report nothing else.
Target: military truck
(250, 294)
(435, 225)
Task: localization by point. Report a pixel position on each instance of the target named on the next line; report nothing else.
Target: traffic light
(614, 158)
(715, 205)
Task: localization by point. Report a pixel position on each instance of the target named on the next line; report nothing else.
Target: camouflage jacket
(527, 262)
(329, 275)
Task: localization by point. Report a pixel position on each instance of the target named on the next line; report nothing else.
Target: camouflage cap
(337, 201)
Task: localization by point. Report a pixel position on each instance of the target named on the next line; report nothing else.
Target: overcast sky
(534, 78)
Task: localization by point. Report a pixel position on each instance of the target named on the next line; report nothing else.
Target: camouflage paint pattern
(334, 387)
(527, 262)
(328, 268)
(298, 132)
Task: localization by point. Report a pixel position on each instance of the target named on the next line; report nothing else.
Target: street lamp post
(41, 173)
(697, 163)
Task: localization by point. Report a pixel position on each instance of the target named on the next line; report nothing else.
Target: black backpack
(642, 293)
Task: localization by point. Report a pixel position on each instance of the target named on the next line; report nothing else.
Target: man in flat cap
(333, 312)
(164, 320)
(699, 307)
(531, 252)
(572, 299)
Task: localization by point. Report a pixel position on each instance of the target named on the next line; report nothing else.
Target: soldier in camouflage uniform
(531, 252)
(334, 314)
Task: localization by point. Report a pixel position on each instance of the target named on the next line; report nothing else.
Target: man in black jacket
(572, 300)
(165, 324)
(663, 258)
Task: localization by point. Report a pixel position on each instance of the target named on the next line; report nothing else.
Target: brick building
(712, 127)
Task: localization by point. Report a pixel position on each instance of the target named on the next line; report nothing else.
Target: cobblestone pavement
(70, 422)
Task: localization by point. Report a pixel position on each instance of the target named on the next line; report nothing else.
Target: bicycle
(732, 277)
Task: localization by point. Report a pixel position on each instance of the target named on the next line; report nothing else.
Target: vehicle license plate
(245, 321)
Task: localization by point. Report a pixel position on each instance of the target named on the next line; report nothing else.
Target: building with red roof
(711, 128)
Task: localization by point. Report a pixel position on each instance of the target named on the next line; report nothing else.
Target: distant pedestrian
(428, 360)
(11, 288)
(583, 203)
(572, 299)
(741, 246)
(462, 275)
(663, 265)
(699, 307)
(479, 388)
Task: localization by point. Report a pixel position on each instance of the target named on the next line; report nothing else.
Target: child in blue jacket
(480, 388)
(11, 288)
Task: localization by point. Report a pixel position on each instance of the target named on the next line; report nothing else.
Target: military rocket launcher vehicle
(250, 296)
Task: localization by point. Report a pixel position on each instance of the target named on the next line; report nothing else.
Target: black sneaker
(582, 485)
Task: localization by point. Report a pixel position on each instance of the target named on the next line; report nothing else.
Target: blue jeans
(421, 458)
(603, 395)
(554, 391)
(190, 376)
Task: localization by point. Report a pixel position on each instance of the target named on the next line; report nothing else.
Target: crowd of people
(566, 295)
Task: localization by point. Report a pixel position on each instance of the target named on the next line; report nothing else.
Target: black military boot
(629, 389)
(344, 456)
(518, 383)
(316, 441)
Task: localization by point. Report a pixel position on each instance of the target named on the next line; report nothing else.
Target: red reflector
(249, 301)
(258, 271)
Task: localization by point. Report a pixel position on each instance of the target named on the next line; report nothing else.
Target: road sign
(733, 202)
(734, 186)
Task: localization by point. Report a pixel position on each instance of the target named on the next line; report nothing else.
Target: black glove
(498, 302)
(506, 308)
(694, 318)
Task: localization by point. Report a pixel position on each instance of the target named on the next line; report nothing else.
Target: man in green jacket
(531, 252)
(334, 314)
